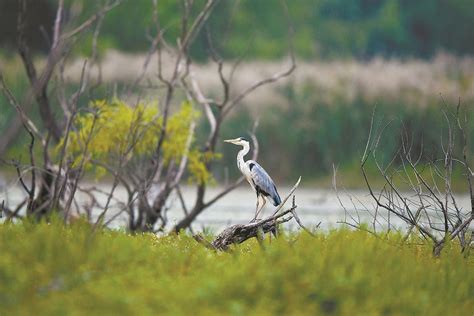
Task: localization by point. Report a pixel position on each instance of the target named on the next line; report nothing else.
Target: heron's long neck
(240, 156)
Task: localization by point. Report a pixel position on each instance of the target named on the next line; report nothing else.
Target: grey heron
(256, 176)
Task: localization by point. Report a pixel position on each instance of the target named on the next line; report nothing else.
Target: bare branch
(239, 233)
(204, 102)
(297, 219)
(234, 101)
(285, 73)
(287, 197)
(90, 21)
(57, 23)
(39, 85)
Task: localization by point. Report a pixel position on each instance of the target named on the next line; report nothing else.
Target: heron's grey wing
(263, 182)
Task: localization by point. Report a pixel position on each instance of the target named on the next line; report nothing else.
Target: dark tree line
(323, 28)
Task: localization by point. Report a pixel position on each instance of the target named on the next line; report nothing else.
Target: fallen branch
(237, 234)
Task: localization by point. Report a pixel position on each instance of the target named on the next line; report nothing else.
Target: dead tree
(419, 192)
(47, 178)
(149, 213)
(60, 181)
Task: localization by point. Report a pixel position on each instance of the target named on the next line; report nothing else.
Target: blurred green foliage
(16, 80)
(322, 28)
(311, 134)
(52, 269)
(15, 77)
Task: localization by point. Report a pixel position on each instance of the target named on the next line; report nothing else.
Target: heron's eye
(244, 139)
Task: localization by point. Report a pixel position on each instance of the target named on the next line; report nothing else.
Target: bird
(256, 176)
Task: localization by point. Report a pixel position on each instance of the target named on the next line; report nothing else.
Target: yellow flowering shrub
(111, 131)
(197, 168)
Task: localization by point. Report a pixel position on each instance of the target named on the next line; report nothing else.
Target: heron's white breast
(245, 169)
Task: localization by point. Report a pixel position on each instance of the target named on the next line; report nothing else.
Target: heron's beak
(232, 141)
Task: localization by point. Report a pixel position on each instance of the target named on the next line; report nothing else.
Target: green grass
(58, 270)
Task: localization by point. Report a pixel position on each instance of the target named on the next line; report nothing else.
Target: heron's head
(241, 141)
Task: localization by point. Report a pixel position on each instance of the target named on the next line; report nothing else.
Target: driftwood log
(239, 233)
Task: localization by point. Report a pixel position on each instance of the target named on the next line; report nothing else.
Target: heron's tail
(276, 199)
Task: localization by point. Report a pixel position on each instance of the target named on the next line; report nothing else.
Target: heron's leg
(256, 209)
(263, 205)
(257, 212)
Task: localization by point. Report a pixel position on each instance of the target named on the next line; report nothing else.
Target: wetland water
(314, 205)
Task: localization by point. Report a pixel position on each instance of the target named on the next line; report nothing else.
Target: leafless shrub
(418, 192)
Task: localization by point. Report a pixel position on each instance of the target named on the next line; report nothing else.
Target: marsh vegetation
(54, 268)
